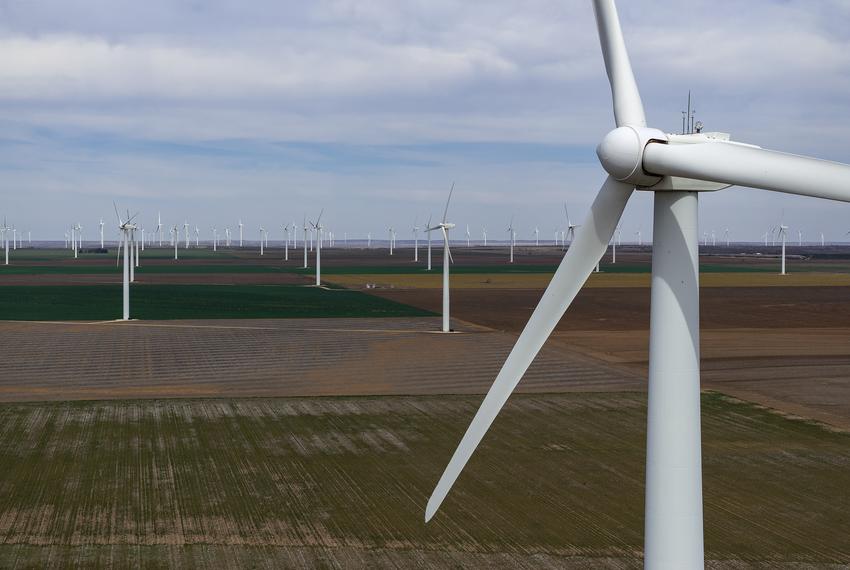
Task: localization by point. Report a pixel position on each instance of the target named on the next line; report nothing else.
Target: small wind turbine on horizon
(783, 233)
(415, 239)
(428, 232)
(511, 236)
(306, 230)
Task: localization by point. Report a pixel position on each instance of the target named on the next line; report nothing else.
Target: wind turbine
(306, 229)
(639, 238)
(101, 233)
(800, 237)
(726, 235)
(318, 227)
(126, 227)
(175, 239)
(484, 232)
(822, 242)
(262, 238)
(675, 168)
(614, 247)
(215, 238)
(159, 227)
(444, 227)
(6, 239)
(197, 236)
(186, 232)
(783, 233)
(415, 239)
(391, 239)
(537, 237)
(428, 231)
(467, 235)
(511, 237)
(286, 247)
(571, 227)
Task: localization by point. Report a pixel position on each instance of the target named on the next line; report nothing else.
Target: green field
(342, 482)
(161, 302)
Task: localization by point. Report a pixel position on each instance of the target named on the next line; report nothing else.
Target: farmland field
(103, 302)
(343, 482)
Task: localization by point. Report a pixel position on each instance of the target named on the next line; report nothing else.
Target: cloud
(353, 101)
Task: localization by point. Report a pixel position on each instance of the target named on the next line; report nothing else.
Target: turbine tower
(639, 157)
(444, 227)
(415, 239)
(126, 227)
(318, 227)
(511, 235)
(428, 231)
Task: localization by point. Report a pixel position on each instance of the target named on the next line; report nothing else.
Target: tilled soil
(343, 482)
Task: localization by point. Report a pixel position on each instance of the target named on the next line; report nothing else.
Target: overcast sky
(211, 110)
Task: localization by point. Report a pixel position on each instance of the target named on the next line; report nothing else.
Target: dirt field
(275, 357)
(342, 483)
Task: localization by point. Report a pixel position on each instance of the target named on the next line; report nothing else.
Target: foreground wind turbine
(675, 168)
(444, 227)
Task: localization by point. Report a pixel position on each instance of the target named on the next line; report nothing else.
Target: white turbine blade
(590, 245)
(741, 165)
(320, 217)
(118, 257)
(446, 211)
(628, 107)
(117, 215)
(446, 238)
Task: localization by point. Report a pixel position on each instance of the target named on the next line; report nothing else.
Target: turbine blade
(446, 238)
(741, 165)
(117, 215)
(446, 211)
(628, 107)
(320, 217)
(578, 263)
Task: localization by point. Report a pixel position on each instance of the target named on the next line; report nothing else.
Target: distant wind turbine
(444, 227)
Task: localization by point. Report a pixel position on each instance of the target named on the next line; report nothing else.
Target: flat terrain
(210, 301)
(342, 482)
(275, 357)
(249, 419)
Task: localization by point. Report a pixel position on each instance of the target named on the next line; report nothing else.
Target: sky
(213, 111)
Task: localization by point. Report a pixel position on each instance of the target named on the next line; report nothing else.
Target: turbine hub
(621, 154)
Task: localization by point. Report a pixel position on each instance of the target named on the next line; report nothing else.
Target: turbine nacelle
(621, 154)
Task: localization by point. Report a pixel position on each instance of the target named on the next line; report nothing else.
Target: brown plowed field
(783, 347)
(291, 357)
